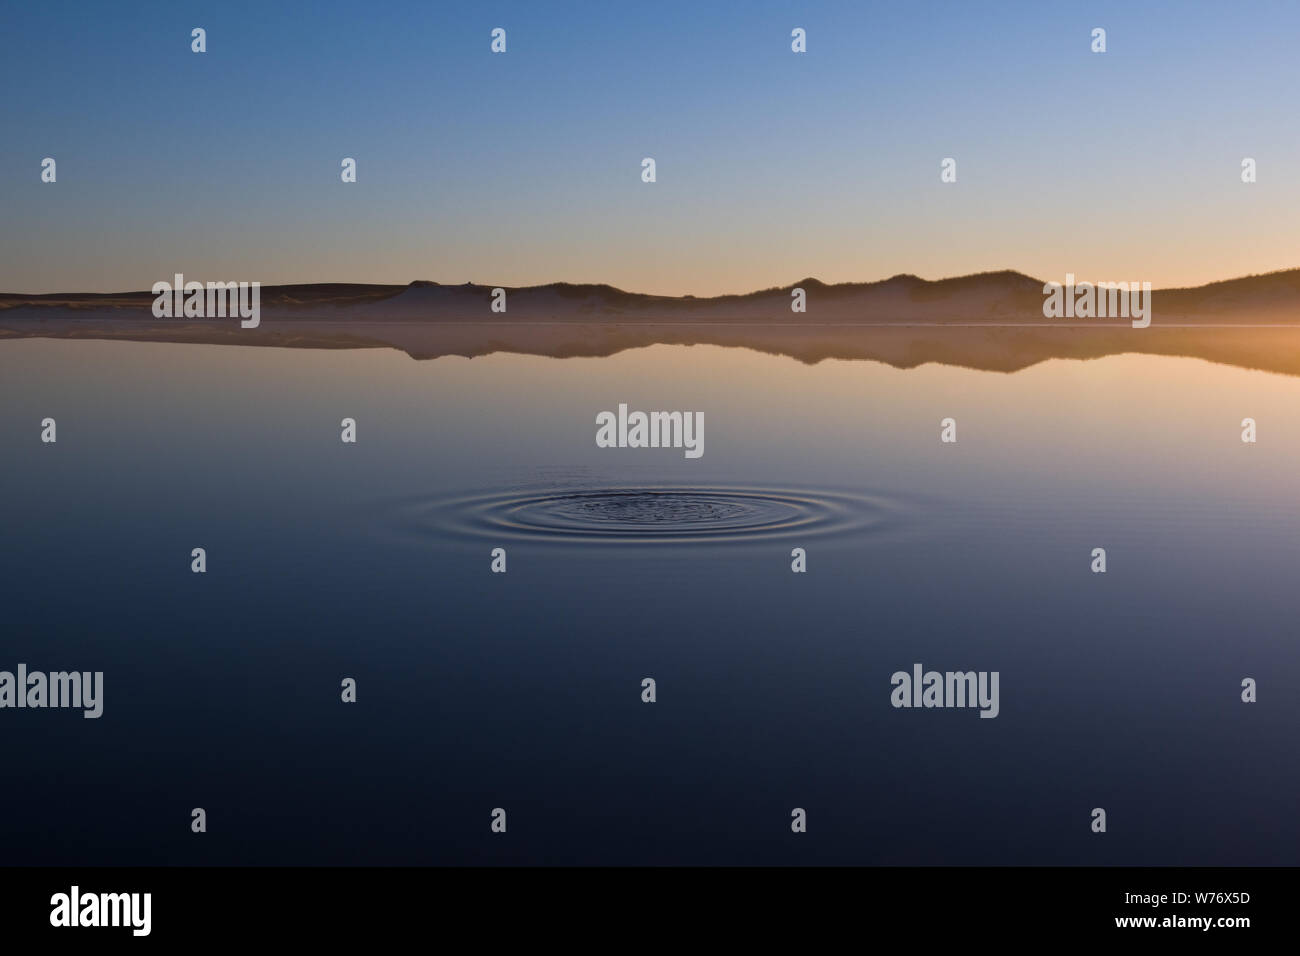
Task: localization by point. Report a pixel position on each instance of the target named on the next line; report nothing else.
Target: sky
(524, 168)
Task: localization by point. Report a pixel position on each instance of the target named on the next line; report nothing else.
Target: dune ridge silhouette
(991, 321)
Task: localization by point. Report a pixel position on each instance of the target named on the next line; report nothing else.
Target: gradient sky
(524, 168)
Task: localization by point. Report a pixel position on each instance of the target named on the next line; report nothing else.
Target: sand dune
(990, 321)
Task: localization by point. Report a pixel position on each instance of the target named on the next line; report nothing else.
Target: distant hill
(990, 297)
(992, 321)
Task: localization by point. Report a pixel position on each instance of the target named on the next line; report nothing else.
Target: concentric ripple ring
(647, 514)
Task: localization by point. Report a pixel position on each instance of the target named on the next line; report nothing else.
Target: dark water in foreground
(523, 691)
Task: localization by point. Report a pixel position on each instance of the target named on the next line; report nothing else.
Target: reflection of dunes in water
(652, 514)
(987, 346)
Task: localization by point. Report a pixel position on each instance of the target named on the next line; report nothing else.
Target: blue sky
(525, 167)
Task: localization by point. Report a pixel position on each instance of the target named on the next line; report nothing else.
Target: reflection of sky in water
(523, 691)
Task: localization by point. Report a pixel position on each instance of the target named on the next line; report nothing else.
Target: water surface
(523, 691)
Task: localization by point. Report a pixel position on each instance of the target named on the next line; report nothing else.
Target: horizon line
(807, 280)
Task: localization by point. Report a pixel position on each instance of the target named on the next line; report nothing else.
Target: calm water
(522, 691)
